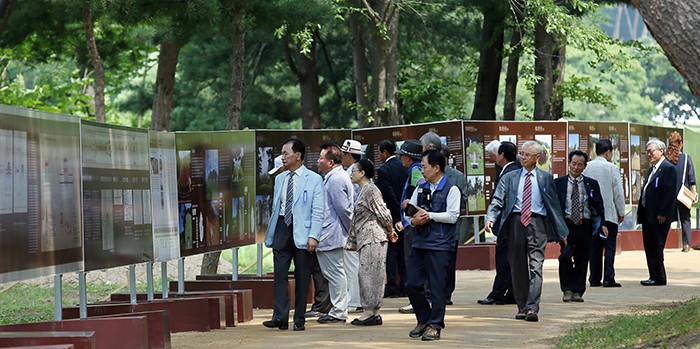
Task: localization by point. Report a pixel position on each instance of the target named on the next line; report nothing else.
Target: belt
(533, 215)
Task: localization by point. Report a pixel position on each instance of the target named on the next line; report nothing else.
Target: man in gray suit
(610, 181)
(528, 209)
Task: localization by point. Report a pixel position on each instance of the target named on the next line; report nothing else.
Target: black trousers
(283, 251)
(322, 297)
(598, 245)
(573, 261)
(452, 273)
(654, 237)
(428, 266)
(502, 285)
(395, 268)
(684, 218)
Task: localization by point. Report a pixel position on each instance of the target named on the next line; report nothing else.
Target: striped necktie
(525, 212)
(289, 201)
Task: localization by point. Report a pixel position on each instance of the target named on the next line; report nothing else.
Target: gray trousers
(332, 266)
(371, 276)
(525, 256)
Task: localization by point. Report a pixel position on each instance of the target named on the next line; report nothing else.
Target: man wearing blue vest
(432, 211)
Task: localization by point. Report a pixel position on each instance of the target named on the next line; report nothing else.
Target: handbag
(686, 196)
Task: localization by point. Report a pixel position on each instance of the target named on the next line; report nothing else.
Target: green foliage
(643, 327)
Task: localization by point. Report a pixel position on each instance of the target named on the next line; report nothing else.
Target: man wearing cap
(294, 232)
(410, 157)
(352, 152)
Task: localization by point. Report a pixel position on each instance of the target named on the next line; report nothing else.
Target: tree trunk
(509, 100)
(165, 85)
(559, 61)
(378, 64)
(394, 117)
(96, 64)
(674, 26)
(210, 263)
(310, 90)
(543, 70)
(305, 70)
(233, 110)
(490, 63)
(6, 7)
(360, 69)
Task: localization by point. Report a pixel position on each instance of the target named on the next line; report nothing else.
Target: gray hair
(493, 146)
(659, 144)
(430, 140)
(539, 149)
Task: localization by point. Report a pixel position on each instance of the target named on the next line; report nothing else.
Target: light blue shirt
(537, 203)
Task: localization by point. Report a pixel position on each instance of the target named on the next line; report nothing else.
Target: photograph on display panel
(216, 181)
(40, 206)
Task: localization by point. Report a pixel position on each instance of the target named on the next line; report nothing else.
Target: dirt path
(470, 325)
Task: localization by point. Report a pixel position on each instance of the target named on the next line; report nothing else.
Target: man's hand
(564, 241)
(404, 203)
(393, 237)
(399, 226)
(605, 230)
(661, 219)
(420, 218)
(487, 226)
(620, 219)
(311, 244)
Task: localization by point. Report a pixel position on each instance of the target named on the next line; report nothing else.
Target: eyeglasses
(527, 155)
(651, 151)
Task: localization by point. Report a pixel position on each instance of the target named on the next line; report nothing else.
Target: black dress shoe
(489, 301)
(282, 325)
(370, 321)
(449, 302)
(327, 319)
(651, 282)
(596, 284)
(612, 284)
(299, 327)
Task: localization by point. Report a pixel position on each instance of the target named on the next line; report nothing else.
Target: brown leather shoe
(431, 334)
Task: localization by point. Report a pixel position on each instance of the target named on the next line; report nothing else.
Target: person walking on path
(526, 206)
(294, 232)
(370, 232)
(657, 210)
(686, 178)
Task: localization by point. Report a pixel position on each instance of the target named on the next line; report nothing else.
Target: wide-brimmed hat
(412, 148)
(278, 166)
(351, 146)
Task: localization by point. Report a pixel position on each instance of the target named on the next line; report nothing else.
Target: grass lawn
(669, 326)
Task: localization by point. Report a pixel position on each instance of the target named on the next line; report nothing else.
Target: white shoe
(406, 309)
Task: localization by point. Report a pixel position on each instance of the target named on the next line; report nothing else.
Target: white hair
(539, 149)
(493, 146)
(659, 144)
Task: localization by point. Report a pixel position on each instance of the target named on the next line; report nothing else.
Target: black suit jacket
(391, 178)
(660, 196)
(509, 167)
(595, 199)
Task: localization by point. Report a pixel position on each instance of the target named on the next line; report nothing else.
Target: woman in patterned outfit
(370, 230)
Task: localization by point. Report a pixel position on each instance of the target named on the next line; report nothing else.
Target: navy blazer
(391, 178)
(660, 196)
(503, 201)
(595, 199)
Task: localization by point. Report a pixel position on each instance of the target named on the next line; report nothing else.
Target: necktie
(575, 203)
(525, 213)
(644, 191)
(289, 202)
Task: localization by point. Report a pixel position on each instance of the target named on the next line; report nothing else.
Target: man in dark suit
(391, 177)
(583, 210)
(526, 205)
(502, 290)
(657, 210)
(294, 232)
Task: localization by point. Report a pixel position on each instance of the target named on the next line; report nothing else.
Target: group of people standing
(363, 241)
(582, 212)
